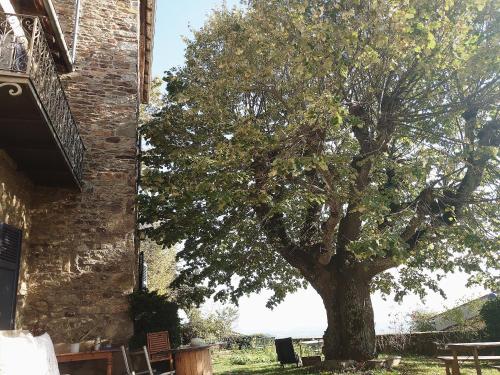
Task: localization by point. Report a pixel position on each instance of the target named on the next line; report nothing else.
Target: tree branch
(350, 224)
(274, 226)
(448, 208)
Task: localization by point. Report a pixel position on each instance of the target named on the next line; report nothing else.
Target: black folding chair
(286, 353)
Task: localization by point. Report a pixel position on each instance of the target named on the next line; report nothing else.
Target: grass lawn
(262, 361)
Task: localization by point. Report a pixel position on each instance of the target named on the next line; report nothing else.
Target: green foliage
(490, 313)
(304, 137)
(465, 317)
(152, 312)
(161, 267)
(237, 341)
(253, 356)
(213, 327)
(421, 321)
(241, 341)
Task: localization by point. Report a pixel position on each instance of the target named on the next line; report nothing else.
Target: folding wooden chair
(129, 366)
(159, 348)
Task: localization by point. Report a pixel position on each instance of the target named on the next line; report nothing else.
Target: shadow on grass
(420, 366)
(266, 369)
(412, 366)
(409, 366)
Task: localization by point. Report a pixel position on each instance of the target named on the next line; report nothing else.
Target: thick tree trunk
(351, 329)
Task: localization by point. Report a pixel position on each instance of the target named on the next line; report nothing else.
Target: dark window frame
(14, 266)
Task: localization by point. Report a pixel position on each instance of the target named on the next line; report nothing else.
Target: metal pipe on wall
(76, 26)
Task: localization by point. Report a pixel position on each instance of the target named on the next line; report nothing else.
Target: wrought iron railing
(25, 53)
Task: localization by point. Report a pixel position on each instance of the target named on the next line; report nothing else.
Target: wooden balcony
(37, 128)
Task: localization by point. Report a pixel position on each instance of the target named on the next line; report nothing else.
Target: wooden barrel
(193, 361)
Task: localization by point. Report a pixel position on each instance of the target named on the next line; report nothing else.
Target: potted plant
(75, 334)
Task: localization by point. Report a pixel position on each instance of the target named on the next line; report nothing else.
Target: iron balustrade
(25, 55)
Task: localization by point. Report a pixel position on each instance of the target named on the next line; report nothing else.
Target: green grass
(263, 361)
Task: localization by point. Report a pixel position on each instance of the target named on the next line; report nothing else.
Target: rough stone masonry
(80, 264)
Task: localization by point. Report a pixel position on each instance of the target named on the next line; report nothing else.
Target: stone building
(72, 76)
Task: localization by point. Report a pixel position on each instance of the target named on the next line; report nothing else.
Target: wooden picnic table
(472, 347)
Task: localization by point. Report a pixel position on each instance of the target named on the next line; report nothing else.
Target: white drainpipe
(76, 26)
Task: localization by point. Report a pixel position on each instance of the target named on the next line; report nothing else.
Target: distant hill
(292, 332)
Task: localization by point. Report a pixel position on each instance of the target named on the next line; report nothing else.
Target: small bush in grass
(246, 357)
(239, 360)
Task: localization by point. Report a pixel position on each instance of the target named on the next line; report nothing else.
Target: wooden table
(193, 360)
(106, 355)
(473, 347)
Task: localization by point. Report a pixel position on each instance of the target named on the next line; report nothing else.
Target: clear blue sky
(301, 314)
(174, 20)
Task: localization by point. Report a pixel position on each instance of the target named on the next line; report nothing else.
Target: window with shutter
(10, 255)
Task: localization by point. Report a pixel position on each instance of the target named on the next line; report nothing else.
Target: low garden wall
(415, 343)
(422, 343)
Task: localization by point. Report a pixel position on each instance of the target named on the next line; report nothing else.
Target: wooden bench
(448, 360)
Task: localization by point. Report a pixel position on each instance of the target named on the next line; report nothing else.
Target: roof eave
(148, 14)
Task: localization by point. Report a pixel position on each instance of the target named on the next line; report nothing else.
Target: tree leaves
(303, 127)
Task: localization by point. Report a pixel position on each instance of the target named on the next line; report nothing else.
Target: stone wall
(16, 192)
(423, 343)
(82, 260)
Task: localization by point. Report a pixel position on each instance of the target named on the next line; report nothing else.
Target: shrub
(490, 313)
(239, 360)
(421, 321)
(244, 342)
(152, 312)
(236, 340)
(211, 327)
(161, 267)
(393, 343)
(248, 357)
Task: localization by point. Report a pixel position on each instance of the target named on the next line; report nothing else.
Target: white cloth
(23, 354)
(45, 345)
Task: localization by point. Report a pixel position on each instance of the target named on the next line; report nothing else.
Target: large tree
(326, 142)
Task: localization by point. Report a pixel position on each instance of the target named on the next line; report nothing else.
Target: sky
(174, 20)
(301, 314)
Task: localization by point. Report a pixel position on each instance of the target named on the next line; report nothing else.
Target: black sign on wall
(10, 256)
